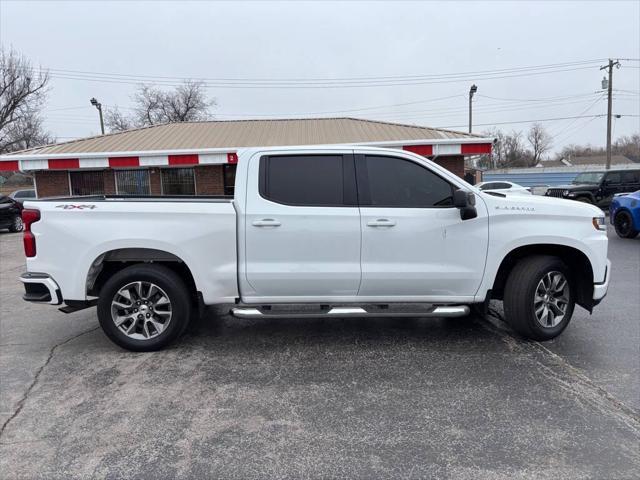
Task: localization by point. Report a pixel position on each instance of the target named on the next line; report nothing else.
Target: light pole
(472, 90)
(98, 105)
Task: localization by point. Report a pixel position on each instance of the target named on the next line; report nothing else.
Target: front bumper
(40, 288)
(600, 289)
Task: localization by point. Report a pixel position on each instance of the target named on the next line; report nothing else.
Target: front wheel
(623, 223)
(144, 307)
(539, 297)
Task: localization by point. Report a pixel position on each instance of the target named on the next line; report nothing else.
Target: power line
(329, 79)
(590, 94)
(481, 108)
(344, 82)
(581, 113)
(291, 85)
(533, 121)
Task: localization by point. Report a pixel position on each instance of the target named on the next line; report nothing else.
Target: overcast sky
(414, 41)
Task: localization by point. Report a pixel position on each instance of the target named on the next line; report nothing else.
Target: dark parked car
(10, 214)
(598, 188)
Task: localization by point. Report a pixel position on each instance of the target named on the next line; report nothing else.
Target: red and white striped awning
(32, 162)
(128, 161)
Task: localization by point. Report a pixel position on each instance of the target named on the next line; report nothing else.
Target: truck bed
(76, 235)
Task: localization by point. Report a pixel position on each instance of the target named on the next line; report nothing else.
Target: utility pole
(472, 90)
(609, 67)
(98, 105)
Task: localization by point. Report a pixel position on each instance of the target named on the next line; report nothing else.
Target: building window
(132, 182)
(229, 179)
(87, 183)
(178, 181)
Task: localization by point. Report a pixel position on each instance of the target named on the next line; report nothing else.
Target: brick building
(199, 158)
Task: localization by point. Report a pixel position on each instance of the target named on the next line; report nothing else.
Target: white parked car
(504, 187)
(317, 232)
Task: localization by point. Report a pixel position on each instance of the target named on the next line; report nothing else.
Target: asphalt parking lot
(383, 398)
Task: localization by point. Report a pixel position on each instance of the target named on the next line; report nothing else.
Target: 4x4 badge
(76, 207)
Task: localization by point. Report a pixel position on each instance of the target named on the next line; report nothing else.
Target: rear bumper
(600, 289)
(40, 288)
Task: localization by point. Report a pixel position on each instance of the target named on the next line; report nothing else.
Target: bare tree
(540, 142)
(116, 121)
(22, 94)
(514, 150)
(153, 106)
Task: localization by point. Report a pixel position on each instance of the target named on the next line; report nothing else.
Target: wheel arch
(112, 261)
(624, 208)
(585, 193)
(577, 261)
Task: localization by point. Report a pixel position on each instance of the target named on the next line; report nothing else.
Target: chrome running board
(355, 311)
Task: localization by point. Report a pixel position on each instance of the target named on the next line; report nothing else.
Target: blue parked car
(625, 214)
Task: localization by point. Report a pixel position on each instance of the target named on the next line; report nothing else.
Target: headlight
(599, 223)
(568, 193)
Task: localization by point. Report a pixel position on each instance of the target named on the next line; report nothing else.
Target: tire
(146, 322)
(16, 224)
(528, 278)
(623, 223)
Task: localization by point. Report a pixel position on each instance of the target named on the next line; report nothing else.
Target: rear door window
(308, 180)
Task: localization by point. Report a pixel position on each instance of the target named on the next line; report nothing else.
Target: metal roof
(252, 133)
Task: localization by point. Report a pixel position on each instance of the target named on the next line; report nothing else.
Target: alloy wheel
(141, 310)
(623, 223)
(551, 299)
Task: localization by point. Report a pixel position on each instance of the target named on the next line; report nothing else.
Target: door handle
(381, 222)
(266, 222)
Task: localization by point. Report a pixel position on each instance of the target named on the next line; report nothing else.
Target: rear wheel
(623, 223)
(16, 224)
(539, 297)
(144, 307)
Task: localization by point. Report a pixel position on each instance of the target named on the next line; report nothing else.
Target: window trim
(364, 191)
(70, 174)
(115, 180)
(182, 167)
(349, 187)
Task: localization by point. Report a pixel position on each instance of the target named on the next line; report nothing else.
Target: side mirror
(465, 202)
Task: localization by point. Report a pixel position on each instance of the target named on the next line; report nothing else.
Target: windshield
(594, 177)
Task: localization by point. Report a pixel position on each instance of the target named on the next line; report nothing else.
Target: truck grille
(554, 192)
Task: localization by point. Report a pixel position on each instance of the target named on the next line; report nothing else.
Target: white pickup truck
(315, 232)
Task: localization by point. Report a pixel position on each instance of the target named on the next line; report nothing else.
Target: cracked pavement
(358, 398)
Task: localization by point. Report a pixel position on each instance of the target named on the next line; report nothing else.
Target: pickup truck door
(414, 243)
(302, 228)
